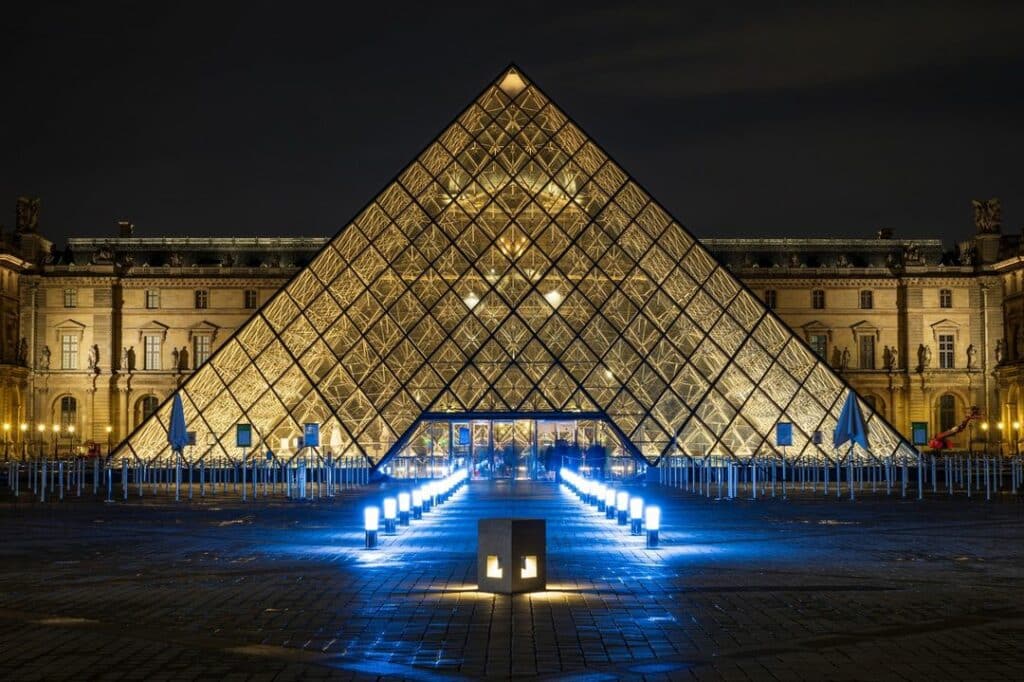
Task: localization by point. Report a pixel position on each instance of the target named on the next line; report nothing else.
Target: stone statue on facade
(174, 260)
(967, 253)
(842, 261)
(972, 356)
(44, 358)
(844, 361)
(794, 260)
(26, 215)
(94, 358)
(924, 357)
(183, 359)
(175, 359)
(102, 255)
(128, 358)
(1000, 351)
(890, 358)
(988, 215)
(22, 356)
(912, 255)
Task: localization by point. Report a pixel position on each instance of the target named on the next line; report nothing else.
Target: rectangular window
(200, 350)
(251, 298)
(867, 300)
(71, 298)
(867, 352)
(819, 344)
(770, 298)
(152, 298)
(818, 298)
(947, 351)
(151, 357)
(69, 351)
(202, 298)
(945, 298)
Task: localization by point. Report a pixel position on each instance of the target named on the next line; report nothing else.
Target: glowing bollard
(417, 504)
(390, 515)
(652, 520)
(636, 515)
(609, 503)
(622, 507)
(371, 523)
(599, 497)
(404, 504)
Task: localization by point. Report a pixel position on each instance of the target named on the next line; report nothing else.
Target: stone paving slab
(809, 589)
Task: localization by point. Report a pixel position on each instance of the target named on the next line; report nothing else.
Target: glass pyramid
(512, 267)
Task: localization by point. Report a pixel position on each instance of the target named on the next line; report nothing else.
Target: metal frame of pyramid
(514, 269)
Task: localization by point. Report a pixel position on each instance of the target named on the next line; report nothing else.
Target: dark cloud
(273, 118)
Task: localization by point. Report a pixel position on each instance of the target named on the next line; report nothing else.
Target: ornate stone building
(95, 337)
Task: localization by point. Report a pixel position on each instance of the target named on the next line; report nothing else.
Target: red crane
(941, 441)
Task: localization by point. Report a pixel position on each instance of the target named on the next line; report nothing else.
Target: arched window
(68, 412)
(146, 406)
(947, 412)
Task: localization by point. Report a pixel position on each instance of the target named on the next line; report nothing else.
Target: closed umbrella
(177, 436)
(850, 428)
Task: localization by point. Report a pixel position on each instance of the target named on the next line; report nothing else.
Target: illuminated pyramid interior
(513, 268)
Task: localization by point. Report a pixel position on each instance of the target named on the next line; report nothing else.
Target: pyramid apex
(512, 82)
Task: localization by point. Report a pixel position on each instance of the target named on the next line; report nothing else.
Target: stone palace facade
(95, 336)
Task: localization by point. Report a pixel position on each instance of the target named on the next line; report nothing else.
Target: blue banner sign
(311, 435)
(783, 434)
(243, 435)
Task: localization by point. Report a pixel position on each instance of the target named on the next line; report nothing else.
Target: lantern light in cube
(652, 520)
(599, 497)
(609, 502)
(636, 515)
(390, 515)
(404, 505)
(622, 506)
(371, 523)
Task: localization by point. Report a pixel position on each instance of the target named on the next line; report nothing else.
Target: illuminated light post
(652, 521)
(56, 439)
(371, 523)
(1016, 438)
(999, 426)
(417, 504)
(984, 430)
(390, 515)
(110, 438)
(24, 440)
(404, 504)
(636, 515)
(7, 440)
(622, 506)
(600, 495)
(609, 502)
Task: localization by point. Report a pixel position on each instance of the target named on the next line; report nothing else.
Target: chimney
(125, 228)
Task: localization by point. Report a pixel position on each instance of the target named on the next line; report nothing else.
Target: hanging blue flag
(851, 426)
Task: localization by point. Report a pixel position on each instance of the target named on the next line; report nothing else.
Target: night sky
(285, 119)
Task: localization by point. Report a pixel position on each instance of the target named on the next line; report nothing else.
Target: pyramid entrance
(514, 446)
(514, 269)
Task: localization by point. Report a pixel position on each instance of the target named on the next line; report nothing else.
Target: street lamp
(110, 438)
(984, 430)
(24, 439)
(7, 438)
(999, 425)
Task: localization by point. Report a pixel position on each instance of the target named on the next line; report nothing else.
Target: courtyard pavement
(809, 589)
